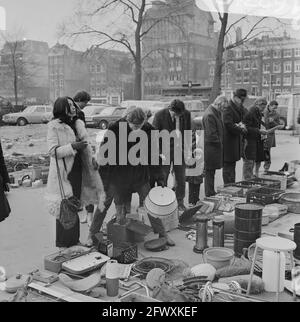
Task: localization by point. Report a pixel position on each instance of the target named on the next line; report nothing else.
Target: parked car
(109, 115)
(92, 111)
(31, 114)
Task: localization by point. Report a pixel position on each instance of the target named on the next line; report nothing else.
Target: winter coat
(128, 175)
(272, 119)
(253, 141)
(233, 135)
(92, 191)
(163, 121)
(4, 179)
(198, 154)
(60, 136)
(213, 139)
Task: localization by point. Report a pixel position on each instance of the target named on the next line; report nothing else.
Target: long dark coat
(272, 119)
(4, 178)
(253, 141)
(233, 135)
(163, 121)
(213, 139)
(126, 176)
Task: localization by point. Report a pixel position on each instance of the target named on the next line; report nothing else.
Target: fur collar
(56, 124)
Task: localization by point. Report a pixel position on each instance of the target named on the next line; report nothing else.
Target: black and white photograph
(149, 154)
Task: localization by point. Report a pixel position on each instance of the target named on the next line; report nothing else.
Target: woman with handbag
(65, 173)
(4, 187)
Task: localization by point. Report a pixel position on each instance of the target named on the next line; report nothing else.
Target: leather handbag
(69, 207)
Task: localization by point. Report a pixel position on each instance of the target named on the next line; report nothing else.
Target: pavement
(28, 235)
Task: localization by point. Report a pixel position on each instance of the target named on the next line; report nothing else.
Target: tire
(103, 125)
(22, 121)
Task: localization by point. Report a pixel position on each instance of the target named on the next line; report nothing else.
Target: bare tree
(255, 29)
(125, 27)
(17, 67)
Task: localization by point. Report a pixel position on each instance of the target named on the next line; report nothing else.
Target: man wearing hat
(254, 139)
(234, 130)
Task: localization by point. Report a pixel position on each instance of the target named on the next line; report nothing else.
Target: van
(289, 110)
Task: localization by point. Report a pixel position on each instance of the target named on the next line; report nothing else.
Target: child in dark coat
(196, 179)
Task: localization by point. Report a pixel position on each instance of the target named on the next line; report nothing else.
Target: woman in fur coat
(72, 154)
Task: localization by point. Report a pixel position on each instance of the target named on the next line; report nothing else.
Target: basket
(247, 186)
(292, 200)
(230, 189)
(280, 176)
(274, 184)
(264, 196)
(125, 253)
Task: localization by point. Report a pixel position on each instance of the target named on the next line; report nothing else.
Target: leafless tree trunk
(19, 69)
(135, 12)
(255, 30)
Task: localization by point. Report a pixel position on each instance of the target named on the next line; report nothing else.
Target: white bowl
(161, 201)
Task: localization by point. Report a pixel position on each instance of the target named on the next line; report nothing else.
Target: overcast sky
(40, 18)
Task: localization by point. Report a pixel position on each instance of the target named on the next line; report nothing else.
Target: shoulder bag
(69, 207)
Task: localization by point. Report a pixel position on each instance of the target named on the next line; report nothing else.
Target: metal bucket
(248, 225)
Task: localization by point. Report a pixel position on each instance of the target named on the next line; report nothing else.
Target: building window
(266, 54)
(238, 65)
(254, 52)
(277, 68)
(297, 79)
(297, 66)
(278, 81)
(246, 77)
(287, 80)
(277, 53)
(247, 53)
(287, 53)
(287, 67)
(254, 64)
(266, 80)
(254, 91)
(254, 78)
(266, 68)
(238, 78)
(247, 65)
(93, 68)
(238, 54)
(297, 52)
(212, 70)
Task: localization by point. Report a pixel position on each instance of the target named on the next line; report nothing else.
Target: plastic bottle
(270, 271)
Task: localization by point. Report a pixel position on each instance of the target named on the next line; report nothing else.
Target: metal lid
(162, 196)
(249, 206)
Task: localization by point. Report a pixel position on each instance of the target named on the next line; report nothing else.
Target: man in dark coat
(213, 142)
(272, 122)
(234, 131)
(126, 177)
(4, 187)
(254, 145)
(175, 118)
